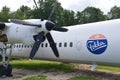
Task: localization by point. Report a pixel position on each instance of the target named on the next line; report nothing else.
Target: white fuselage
(94, 43)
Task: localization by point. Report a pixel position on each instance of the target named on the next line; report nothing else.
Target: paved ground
(19, 74)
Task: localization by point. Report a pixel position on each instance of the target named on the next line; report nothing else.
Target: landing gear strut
(5, 67)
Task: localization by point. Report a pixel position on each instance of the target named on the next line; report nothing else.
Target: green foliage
(44, 9)
(115, 69)
(82, 78)
(60, 16)
(114, 13)
(39, 64)
(91, 14)
(5, 14)
(39, 77)
(68, 16)
(79, 17)
(23, 12)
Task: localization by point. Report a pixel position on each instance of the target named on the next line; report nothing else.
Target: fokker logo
(97, 44)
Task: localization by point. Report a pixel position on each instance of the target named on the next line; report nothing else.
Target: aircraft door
(78, 45)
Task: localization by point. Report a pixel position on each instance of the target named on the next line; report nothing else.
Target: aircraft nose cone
(49, 25)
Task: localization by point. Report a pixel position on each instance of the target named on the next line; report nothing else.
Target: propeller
(38, 10)
(41, 37)
(38, 39)
(53, 9)
(49, 24)
(44, 34)
(41, 16)
(17, 21)
(52, 44)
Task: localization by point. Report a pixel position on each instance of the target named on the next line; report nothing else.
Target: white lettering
(97, 45)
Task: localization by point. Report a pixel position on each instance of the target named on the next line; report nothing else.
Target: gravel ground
(19, 74)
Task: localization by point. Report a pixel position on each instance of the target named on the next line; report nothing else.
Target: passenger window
(14, 46)
(65, 44)
(19, 45)
(46, 45)
(71, 44)
(25, 46)
(42, 45)
(22, 45)
(60, 44)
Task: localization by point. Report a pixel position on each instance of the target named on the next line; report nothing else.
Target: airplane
(92, 43)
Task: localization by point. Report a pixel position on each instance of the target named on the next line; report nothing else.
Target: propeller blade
(17, 21)
(38, 40)
(60, 29)
(40, 15)
(35, 4)
(53, 9)
(52, 44)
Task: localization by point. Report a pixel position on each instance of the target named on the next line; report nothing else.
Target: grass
(53, 66)
(82, 78)
(40, 64)
(39, 77)
(115, 69)
(42, 77)
(47, 65)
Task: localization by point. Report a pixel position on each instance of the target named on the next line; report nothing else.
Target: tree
(60, 16)
(44, 9)
(68, 17)
(23, 12)
(91, 14)
(79, 17)
(5, 14)
(114, 13)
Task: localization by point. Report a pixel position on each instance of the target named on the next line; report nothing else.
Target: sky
(75, 5)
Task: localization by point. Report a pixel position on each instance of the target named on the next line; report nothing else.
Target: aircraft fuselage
(94, 43)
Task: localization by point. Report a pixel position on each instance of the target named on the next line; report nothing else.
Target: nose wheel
(5, 67)
(6, 70)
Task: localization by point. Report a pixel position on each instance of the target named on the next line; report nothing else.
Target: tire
(0, 70)
(6, 71)
(9, 71)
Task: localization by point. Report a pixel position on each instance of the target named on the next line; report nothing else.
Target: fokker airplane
(93, 43)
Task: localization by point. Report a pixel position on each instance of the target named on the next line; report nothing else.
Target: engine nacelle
(3, 38)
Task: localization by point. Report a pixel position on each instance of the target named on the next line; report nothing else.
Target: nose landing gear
(5, 67)
(6, 70)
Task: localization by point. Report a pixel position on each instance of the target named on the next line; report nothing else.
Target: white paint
(78, 33)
